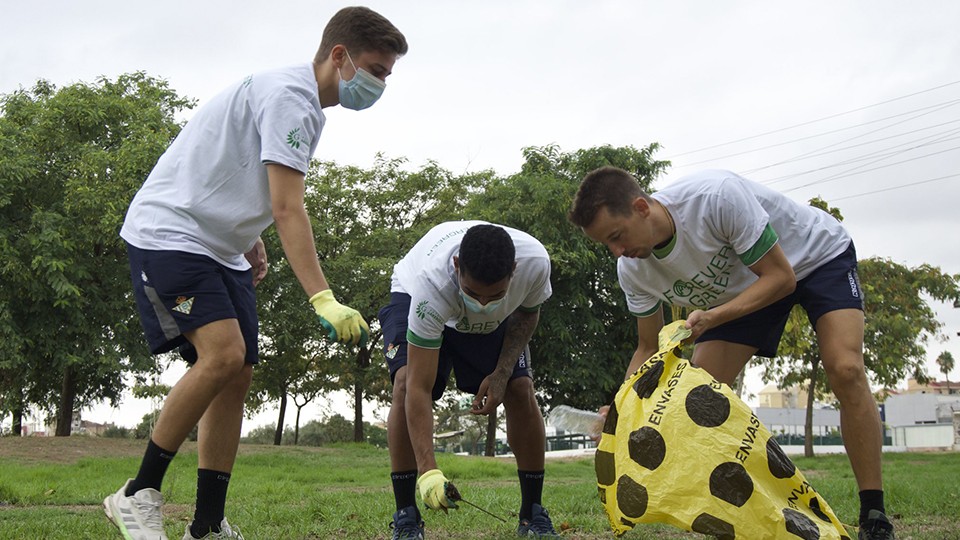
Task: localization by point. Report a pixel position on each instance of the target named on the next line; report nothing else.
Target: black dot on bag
(780, 465)
(713, 526)
(647, 447)
(707, 407)
(631, 497)
(815, 508)
(731, 482)
(610, 424)
(800, 525)
(605, 464)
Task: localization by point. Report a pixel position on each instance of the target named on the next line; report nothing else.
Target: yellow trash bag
(680, 448)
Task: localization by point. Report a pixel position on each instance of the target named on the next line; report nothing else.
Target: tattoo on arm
(520, 327)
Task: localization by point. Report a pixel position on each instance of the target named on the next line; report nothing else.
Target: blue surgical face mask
(474, 306)
(362, 91)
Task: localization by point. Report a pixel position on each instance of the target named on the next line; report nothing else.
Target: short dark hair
(360, 29)
(607, 187)
(487, 253)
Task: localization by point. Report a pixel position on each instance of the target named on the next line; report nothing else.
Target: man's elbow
(284, 213)
(788, 284)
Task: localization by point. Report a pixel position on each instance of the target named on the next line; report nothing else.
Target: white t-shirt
(427, 274)
(725, 224)
(208, 193)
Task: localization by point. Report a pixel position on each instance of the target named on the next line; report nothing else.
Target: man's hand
(432, 486)
(257, 257)
(343, 323)
(490, 394)
(698, 322)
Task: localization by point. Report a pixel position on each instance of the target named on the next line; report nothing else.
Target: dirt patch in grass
(67, 449)
(30, 450)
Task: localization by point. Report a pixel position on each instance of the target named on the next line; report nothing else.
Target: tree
(586, 335)
(945, 361)
(70, 162)
(899, 318)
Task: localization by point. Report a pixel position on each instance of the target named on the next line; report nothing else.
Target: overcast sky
(856, 102)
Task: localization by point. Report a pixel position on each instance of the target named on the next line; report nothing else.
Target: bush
(117, 432)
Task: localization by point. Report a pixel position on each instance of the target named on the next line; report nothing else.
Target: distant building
(794, 397)
(784, 412)
(78, 426)
(944, 388)
(921, 417)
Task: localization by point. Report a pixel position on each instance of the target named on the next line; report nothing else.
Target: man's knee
(227, 364)
(400, 386)
(520, 391)
(847, 378)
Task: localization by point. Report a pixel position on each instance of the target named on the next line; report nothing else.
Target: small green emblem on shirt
(421, 309)
(294, 138)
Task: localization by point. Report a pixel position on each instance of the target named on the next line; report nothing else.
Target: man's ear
(338, 55)
(642, 206)
(456, 263)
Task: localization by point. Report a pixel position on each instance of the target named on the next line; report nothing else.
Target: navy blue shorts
(833, 286)
(177, 292)
(471, 356)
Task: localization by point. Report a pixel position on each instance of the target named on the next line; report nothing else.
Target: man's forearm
(296, 235)
(520, 328)
(419, 410)
(639, 357)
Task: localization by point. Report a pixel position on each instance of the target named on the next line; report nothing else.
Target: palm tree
(945, 361)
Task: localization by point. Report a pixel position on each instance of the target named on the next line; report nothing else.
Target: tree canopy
(70, 161)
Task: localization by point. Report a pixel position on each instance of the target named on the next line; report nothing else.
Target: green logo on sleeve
(424, 309)
(294, 138)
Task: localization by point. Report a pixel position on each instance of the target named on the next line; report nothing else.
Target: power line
(884, 154)
(844, 175)
(936, 108)
(927, 181)
(814, 121)
(852, 146)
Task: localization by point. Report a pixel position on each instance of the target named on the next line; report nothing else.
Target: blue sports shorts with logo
(833, 286)
(177, 292)
(470, 356)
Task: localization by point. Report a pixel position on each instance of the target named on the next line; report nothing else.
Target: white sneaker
(138, 517)
(226, 532)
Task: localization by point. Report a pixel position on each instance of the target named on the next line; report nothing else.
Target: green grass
(55, 492)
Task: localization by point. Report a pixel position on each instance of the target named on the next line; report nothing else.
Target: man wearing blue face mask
(193, 236)
(465, 298)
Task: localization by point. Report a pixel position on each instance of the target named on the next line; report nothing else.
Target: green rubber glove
(432, 486)
(343, 323)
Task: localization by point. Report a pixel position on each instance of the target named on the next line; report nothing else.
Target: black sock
(211, 498)
(405, 489)
(152, 468)
(870, 499)
(531, 489)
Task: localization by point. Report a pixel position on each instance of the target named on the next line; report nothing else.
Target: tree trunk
(68, 394)
(278, 435)
(358, 412)
(363, 362)
(491, 446)
(18, 416)
(808, 424)
(738, 384)
(296, 425)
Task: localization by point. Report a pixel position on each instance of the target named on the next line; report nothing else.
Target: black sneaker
(407, 525)
(538, 526)
(876, 527)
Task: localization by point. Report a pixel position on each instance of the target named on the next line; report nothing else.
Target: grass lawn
(52, 488)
